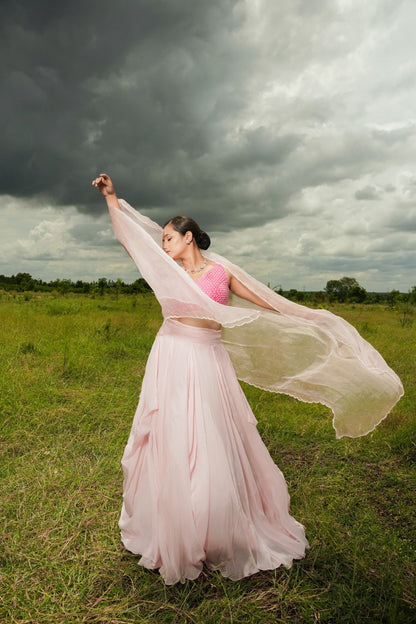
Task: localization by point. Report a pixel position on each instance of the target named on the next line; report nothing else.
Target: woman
(200, 486)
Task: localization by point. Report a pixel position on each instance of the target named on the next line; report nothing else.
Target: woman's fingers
(100, 181)
(103, 179)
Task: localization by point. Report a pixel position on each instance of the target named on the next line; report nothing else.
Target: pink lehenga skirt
(199, 484)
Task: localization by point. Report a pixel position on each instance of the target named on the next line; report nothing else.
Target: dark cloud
(369, 193)
(97, 85)
(402, 222)
(258, 148)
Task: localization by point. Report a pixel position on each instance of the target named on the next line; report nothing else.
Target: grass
(71, 369)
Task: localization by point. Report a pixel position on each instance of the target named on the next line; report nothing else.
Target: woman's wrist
(112, 200)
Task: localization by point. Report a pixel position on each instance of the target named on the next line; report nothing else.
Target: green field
(71, 369)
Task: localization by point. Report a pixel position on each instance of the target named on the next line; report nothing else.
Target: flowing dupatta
(312, 355)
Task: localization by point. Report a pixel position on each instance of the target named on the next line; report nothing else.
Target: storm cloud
(286, 128)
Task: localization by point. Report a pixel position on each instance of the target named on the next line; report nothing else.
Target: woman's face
(173, 242)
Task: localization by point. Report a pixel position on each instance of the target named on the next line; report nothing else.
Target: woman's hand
(104, 185)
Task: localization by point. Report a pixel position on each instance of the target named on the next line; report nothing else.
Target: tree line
(344, 290)
(348, 290)
(23, 282)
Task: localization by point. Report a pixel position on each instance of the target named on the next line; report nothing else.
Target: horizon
(112, 281)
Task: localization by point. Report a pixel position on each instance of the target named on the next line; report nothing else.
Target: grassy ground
(71, 369)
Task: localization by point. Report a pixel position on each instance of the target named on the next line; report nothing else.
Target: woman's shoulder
(224, 270)
(223, 274)
(219, 269)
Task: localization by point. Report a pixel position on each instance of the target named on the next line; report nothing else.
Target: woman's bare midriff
(196, 322)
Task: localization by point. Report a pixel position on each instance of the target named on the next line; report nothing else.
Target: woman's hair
(186, 224)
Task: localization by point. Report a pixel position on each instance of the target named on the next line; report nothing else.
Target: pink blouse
(214, 283)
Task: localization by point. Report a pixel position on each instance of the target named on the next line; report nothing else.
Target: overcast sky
(287, 128)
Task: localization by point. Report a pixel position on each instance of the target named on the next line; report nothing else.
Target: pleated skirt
(199, 484)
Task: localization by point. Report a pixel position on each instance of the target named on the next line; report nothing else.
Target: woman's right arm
(104, 184)
(245, 293)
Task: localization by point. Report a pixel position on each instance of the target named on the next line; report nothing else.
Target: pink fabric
(214, 283)
(199, 484)
(312, 355)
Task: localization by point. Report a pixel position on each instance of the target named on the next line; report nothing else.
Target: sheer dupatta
(312, 355)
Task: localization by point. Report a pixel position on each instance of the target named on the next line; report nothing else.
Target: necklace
(198, 269)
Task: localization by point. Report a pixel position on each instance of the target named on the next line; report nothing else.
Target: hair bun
(203, 240)
(186, 224)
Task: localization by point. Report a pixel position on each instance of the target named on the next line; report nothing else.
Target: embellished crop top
(214, 283)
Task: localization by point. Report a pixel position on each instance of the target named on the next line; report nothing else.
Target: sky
(286, 128)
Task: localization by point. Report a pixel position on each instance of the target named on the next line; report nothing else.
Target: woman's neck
(194, 261)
